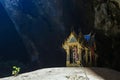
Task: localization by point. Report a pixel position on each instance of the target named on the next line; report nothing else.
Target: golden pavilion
(80, 50)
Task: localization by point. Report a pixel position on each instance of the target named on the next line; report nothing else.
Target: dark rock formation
(107, 27)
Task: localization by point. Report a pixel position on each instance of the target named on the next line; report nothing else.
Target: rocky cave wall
(107, 29)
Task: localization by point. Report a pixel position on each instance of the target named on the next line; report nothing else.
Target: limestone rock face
(107, 16)
(107, 27)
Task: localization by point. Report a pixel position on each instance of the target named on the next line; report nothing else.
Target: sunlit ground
(69, 73)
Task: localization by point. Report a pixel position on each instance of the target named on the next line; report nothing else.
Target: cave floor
(68, 73)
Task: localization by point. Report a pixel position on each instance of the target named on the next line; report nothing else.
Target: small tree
(15, 71)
